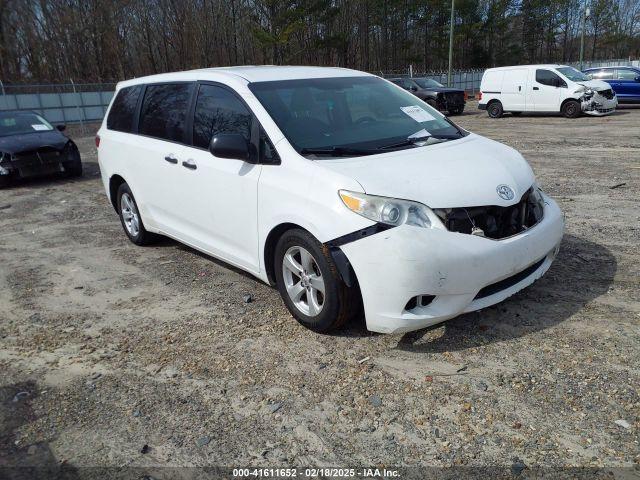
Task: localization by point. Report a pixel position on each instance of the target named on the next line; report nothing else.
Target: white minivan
(345, 191)
(544, 88)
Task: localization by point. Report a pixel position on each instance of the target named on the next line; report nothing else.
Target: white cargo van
(544, 88)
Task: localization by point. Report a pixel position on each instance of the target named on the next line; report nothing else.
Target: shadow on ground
(17, 460)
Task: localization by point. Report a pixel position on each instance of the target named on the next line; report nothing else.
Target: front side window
(122, 112)
(547, 77)
(19, 123)
(164, 111)
(428, 83)
(603, 74)
(626, 74)
(219, 111)
(573, 74)
(350, 112)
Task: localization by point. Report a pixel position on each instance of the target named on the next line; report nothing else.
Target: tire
(494, 109)
(5, 181)
(314, 310)
(456, 111)
(432, 103)
(571, 109)
(516, 114)
(130, 217)
(73, 170)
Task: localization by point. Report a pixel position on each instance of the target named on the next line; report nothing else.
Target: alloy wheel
(303, 281)
(130, 215)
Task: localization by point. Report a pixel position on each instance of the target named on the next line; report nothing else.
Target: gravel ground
(150, 357)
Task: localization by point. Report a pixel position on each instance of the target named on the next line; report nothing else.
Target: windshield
(427, 83)
(573, 74)
(349, 113)
(18, 123)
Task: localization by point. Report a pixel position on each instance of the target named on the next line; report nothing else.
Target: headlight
(390, 211)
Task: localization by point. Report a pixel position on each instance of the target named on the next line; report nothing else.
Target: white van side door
(546, 90)
(514, 87)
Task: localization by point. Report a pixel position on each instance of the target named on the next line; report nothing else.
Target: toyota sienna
(342, 189)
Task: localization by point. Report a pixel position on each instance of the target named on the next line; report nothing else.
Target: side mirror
(413, 88)
(230, 145)
(61, 127)
(637, 79)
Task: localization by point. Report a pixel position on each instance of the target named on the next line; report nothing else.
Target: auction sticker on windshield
(417, 113)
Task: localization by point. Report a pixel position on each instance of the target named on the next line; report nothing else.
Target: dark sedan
(30, 147)
(451, 100)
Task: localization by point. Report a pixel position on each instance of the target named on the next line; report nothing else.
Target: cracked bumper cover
(395, 265)
(599, 105)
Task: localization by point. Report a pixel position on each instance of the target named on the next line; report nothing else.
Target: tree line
(108, 40)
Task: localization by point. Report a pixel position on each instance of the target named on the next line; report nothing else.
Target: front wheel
(571, 109)
(456, 111)
(310, 285)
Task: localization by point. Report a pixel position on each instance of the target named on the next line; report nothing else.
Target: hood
(458, 173)
(442, 90)
(596, 85)
(32, 141)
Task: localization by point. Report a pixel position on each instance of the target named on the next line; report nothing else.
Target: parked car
(625, 81)
(30, 146)
(334, 185)
(544, 88)
(451, 100)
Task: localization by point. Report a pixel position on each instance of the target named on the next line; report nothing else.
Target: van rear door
(513, 90)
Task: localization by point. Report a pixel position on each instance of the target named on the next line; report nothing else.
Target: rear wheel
(571, 109)
(310, 284)
(494, 109)
(131, 219)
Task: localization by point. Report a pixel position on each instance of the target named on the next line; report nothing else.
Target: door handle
(171, 159)
(536, 88)
(519, 88)
(190, 164)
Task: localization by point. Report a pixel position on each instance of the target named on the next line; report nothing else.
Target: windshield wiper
(338, 151)
(412, 141)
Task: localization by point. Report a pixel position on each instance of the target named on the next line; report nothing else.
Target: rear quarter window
(122, 112)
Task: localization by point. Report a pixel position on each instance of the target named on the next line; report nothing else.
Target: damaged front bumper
(599, 103)
(411, 278)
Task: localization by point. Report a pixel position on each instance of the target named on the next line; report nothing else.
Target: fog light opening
(419, 301)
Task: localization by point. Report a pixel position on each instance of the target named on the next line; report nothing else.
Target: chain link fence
(60, 103)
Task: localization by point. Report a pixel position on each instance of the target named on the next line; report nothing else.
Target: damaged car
(342, 190)
(544, 88)
(31, 147)
(451, 100)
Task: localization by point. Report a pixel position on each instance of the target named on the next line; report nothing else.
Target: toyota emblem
(505, 192)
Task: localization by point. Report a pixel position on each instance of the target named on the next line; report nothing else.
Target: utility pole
(585, 14)
(450, 44)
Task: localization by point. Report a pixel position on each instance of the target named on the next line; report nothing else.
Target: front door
(546, 90)
(220, 195)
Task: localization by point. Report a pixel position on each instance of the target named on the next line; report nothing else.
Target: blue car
(625, 81)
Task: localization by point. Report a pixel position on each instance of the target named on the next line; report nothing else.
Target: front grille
(493, 221)
(608, 94)
(508, 282)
